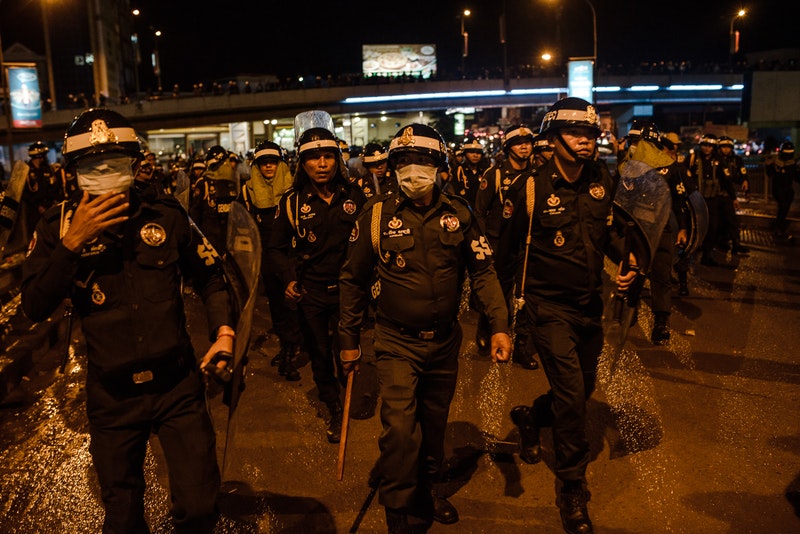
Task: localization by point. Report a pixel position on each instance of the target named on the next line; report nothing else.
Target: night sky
(290, 38)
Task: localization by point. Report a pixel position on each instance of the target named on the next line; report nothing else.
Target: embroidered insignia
(395, 223)
(153, 234)
(462, 192)
(305, 208)
(559, 239)
(508, 209)
(506, 181)
(597, 191)
(450, 223)
(349, 207)
(401, 261)
(727, 171)
(311, 236)
(553, 200)
(98, 297)
(591, 115)
(354, 232)
(101, 133)
(408, 137)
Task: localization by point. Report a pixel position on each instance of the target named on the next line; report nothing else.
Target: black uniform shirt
(571, 233)
(500, 189)
(309, 237)
(126, 286)
(423, 255)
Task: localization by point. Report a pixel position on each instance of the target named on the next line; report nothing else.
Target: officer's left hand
(224, 343)
(624, 280)
(501, 347)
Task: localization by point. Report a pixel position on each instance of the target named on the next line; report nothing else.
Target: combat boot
(287, 367)
(529, 446)
(443, 510)
(334, 430)
(660, 334)
(571, 503)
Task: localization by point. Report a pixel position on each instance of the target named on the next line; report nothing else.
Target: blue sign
(581, 79)
(23, 88)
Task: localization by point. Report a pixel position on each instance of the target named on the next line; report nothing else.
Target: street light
(156, 59)
(734, 35)
(465, 44)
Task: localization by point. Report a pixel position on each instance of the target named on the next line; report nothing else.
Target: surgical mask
(416, 181)
(104, 174)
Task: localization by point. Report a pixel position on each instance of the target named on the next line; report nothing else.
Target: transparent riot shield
(699, 221)
(315, 118)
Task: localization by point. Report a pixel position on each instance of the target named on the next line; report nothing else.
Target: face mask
(105, 174)
(416, 180)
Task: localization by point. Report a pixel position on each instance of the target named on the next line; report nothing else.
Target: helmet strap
(578, 159)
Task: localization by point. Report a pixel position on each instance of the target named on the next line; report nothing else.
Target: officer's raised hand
(93, 216)
(501, 347)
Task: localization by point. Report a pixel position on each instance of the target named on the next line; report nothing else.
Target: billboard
(23, 90)
(581, 79)
(399, 60)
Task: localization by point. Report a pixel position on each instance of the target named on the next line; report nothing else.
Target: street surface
(699, 436)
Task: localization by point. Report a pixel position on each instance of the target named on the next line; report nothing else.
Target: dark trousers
(729, 222)
(417, 382)
(713, 204)
(319, 320)
(661, 273)
(120, 428)
(784, 197)
(569, 342)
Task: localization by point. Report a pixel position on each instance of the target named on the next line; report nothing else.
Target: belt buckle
(142, 377)
(427, 335)
(332, 289)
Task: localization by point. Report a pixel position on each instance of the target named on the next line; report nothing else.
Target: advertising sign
(23, 88)
(581, 79)
(399, 60)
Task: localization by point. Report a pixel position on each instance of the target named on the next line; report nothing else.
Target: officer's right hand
(351, 359)
(293, 293)
(93, 216)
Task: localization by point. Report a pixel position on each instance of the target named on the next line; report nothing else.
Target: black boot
(287, 367)
(660, 334)
(334, 430)
(571, 503)
(529, 447)
(683, 287)
(443, 510)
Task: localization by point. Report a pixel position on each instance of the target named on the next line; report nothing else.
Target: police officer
(571, 207)
(269, 181)
(497, 198)
(468, 174)
(783, 171)
(419, 241)
(734, 171)
(119, 257)
(212, 196)
(308, 246)
(42, 186)
(378, 180)
(707, 174)
(542, 150)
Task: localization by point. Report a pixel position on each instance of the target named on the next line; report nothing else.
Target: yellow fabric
(267, 193)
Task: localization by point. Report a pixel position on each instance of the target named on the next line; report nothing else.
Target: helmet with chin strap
(267, 150)
(421, 139)
(516, 135)
(98, 131)
(568, 112)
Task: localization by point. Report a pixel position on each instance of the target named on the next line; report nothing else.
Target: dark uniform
(42, 187)
(142, 375)
(734, 172)
(783, 171)
(308, 245)
(421, 255)
(378, 180)
(211, 198)
(467, 176)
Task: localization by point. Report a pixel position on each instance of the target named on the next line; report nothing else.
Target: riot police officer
(542, 150)
(307, 247)
(734, 171)
(567, 222)
(468, 174)
(42, 186)
(496, 201)
(707, 174)
(783, 171)
(420, 241)
(269, 181)
(120, 257)
(378, 180)
(212, 196)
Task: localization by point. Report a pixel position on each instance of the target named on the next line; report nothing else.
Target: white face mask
(416, 181)
(104, 174)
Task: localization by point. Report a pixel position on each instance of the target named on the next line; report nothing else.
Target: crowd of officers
(394, 247)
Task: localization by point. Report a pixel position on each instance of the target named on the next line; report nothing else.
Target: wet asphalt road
(701, 435)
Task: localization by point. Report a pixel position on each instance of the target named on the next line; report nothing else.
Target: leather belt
(423, 334)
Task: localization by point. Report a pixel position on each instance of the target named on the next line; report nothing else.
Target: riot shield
(699, 221)
(242, 267)
(182, 187)
(314, 118)
(10, 205)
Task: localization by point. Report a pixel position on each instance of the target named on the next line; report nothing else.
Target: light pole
(465, 43)
(137, 53)
(156, 59)
(733, 35)
(594, 32)
(50, 80)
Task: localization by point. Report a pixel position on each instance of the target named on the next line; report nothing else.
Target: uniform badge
(508, 209)
(395, 223)
(354, 232)
(153, 234)
(559, 239)
(484, 184)
(663, 171)
(408, 137)
(98, 297)
(597, 191)
(311, 236)
(506, 181)
(305, 208)
(101, 133)
(553, 201)
(400, 261)
(743, 170)
(462, 192)
(591, 115)
(349, 207)
(450, 223)
(727, 171)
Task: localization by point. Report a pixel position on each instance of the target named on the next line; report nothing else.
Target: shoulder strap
(375, 228)
(291, 215)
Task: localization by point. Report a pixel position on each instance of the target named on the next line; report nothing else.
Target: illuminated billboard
(399, 60)
(23, 89)
(581, 79)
